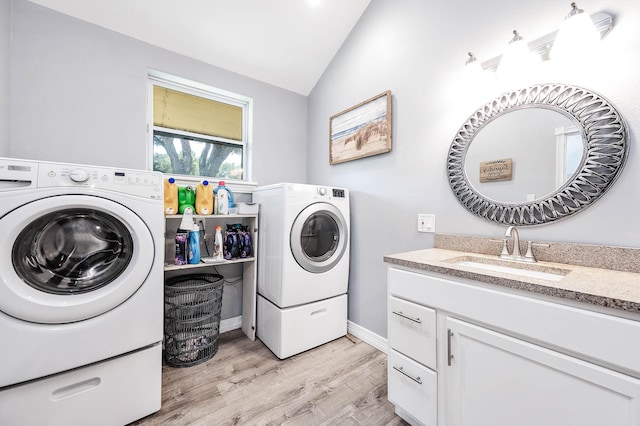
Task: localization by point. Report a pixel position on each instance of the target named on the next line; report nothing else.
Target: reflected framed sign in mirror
(567, 146)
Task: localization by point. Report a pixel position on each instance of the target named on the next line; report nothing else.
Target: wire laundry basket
(192, 307)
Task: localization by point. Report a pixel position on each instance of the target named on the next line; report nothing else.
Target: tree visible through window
(198, 132)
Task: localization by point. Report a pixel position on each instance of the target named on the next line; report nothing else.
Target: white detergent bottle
(217, 245)
(222, 202)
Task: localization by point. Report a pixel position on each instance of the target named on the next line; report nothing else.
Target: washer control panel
(338, 193)
(135, 182)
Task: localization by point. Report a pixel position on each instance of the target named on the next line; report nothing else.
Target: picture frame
(362, 130)
(496, 170)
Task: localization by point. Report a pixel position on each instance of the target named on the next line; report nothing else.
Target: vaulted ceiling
(287, 43)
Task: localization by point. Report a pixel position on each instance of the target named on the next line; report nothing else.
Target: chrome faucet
(512, 232)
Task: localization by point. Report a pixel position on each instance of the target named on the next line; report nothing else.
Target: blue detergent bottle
(222, 186)
(194, 245)
(188, 224)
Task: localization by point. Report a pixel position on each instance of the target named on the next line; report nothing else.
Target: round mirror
(525, 155)
(537, 155)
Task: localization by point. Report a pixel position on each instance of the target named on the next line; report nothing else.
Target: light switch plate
(426, 222)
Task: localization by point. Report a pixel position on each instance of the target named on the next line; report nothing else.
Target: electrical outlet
(426, 222)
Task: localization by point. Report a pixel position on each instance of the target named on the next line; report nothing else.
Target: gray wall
(79, 94)
(5, 44)
(417, 50)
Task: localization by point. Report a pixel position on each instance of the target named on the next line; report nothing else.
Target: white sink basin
(524, 269)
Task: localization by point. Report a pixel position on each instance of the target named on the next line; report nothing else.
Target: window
(569, 152)
(198, 130)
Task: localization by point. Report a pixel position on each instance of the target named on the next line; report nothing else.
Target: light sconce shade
(576, 37)
(517, 58)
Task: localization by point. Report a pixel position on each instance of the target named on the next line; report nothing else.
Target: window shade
(182, 111)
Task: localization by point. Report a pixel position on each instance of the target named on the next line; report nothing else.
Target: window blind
(183, 111)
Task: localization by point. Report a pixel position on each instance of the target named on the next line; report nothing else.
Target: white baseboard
(367, 336)
(230, 324)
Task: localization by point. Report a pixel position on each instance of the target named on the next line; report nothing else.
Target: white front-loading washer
(303, 266)
(81, 293)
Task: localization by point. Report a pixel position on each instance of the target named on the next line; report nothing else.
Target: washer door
(68, 258)
(319, 237)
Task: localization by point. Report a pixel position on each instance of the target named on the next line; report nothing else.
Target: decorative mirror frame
(604, 135)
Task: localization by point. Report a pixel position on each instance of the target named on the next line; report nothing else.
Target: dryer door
(68, 258)
(319, 237)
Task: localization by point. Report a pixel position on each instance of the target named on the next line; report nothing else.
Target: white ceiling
(287, 43)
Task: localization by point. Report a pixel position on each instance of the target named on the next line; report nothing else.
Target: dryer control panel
(331, 192)
(338, 193)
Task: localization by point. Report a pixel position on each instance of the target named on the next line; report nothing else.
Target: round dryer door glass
(319, 237)
(72, 251)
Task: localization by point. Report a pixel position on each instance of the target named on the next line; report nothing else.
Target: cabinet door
(498, 380)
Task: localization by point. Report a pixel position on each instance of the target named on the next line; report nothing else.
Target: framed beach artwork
(362, 130)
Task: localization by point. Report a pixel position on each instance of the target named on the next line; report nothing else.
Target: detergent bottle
(194, 245)
(222, 202)
(183, 252)
(204, 198)
(182, 247)
(170, 196)
(186, 199)
(218, 251)
(221, 186)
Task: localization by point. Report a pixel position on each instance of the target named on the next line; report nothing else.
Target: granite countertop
(602, 287)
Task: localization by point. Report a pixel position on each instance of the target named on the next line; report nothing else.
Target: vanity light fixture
(602, 22)
(576, 36)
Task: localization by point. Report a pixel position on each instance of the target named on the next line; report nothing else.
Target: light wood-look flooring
(339, 383)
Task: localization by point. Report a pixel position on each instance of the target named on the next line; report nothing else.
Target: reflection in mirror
(590, 150)
(544, 146)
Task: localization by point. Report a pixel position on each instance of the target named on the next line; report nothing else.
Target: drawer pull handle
(449, 352)
(75, 389)
(401, 370)
(400, 314)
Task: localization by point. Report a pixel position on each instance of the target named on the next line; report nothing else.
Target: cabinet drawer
(413, 388)
(412, 330)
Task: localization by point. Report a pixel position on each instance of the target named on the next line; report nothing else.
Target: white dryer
(81, 293)
(303, 266)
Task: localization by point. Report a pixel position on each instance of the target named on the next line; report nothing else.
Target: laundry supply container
(192, 307)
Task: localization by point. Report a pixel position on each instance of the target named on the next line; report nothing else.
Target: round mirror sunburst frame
(605, 139)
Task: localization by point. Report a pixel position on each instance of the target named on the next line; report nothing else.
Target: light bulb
(517, 59)
(576, 37)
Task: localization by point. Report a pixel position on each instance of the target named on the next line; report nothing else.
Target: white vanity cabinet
(504, 358)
